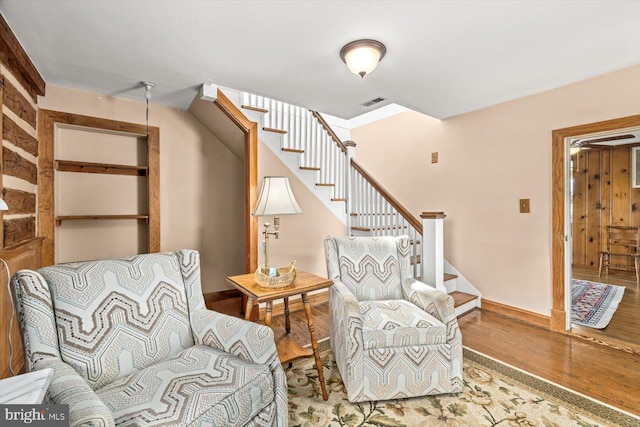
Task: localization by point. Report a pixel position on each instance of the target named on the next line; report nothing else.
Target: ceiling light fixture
(362, 56)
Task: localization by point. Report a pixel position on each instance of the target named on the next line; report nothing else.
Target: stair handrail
(329, 130)
(395, 203)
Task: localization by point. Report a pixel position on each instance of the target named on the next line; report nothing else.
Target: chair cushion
(200, 384)
(117, 316)
(369, 267)
(399, 323)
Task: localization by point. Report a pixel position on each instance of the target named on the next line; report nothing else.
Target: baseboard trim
(516, 313)
(557, 320)
(295, 304)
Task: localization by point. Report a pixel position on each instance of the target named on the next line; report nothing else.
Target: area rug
(593, 304)
(494, 395)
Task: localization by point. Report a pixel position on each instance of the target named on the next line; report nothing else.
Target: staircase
(326, 165)
(304, 142)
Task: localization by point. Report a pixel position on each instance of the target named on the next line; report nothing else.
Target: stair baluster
(377, 213)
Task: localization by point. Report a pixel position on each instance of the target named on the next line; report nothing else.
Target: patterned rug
(593, 304)
(494, 395)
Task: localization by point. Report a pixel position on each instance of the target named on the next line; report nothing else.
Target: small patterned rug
(593, 304)
(494, 394)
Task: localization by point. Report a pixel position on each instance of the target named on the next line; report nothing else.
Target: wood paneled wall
(602, 195)
(20, 85)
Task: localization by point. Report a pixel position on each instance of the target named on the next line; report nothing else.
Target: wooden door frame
(250, 130)
(48, 120)
(558, 180)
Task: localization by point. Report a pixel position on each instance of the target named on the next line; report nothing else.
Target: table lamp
(276, 198)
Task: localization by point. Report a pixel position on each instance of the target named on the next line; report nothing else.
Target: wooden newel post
(351, 152)
(432, 262)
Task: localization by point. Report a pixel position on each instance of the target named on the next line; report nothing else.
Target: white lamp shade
(362, 60)
(276, 198)
(3, 205)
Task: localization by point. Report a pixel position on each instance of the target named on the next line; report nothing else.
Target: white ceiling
(444, 58)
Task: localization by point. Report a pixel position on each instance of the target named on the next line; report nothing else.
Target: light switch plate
(434, 157)
(525, 207)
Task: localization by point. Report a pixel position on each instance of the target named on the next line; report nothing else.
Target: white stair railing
(306, 133)
(371, 210)
(374, 211)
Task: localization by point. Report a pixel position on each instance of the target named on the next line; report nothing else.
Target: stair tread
(448, 276)
(249, 107)
(324, 184)
(339, 200)
(274, 130)
(460, 298)
(309, 168)
(292, 150)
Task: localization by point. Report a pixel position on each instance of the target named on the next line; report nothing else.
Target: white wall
(488, 160)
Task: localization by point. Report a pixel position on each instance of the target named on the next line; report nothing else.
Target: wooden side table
(288, 349)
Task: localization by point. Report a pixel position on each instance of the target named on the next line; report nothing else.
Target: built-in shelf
(105, 168)
(59, 219)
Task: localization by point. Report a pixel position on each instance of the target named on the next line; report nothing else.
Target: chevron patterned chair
(132, 343)
(392, 336)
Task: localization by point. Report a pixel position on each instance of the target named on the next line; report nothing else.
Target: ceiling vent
(373, 101)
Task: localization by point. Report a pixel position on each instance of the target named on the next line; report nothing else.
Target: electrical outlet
(434, 157)
(525, 207)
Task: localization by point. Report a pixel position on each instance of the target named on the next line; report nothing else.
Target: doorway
(561, 219)
(605, 206)
(250, 155)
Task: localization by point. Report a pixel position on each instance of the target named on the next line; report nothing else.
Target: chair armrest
(348, 306)
(435, 302)
(345, 322)
(67, 387)
(347, 341)
(247, 340)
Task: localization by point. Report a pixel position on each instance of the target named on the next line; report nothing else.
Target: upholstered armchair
(392, 336)
(132, 343)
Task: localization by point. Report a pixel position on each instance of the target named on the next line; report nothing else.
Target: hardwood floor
(625, 324)
(603, 373)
